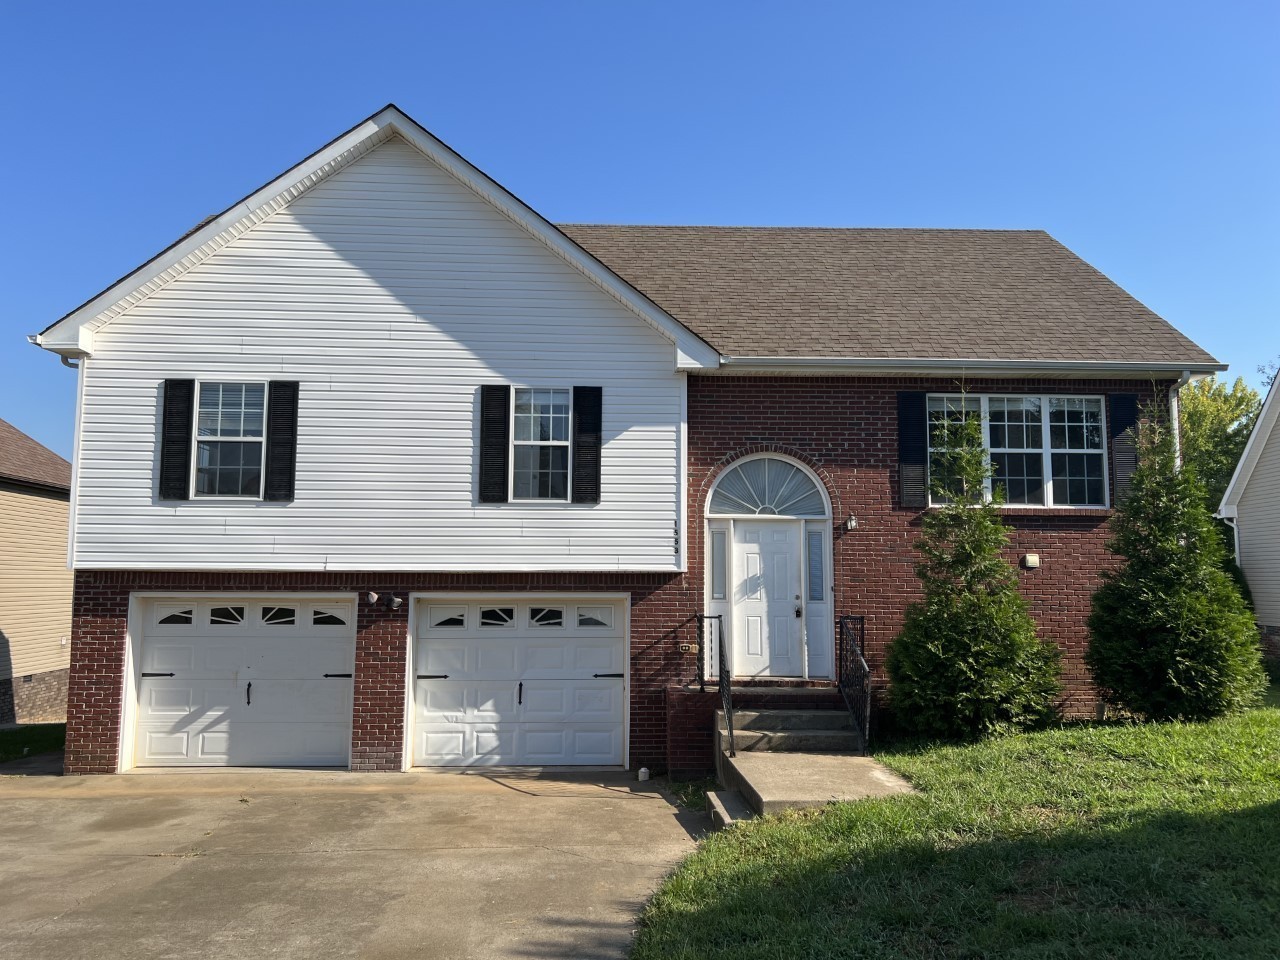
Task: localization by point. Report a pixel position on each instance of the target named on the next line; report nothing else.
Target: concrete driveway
(327, 864)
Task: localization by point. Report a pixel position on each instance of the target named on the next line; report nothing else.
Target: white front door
(243, 681)
(508, 681)
(768, 612)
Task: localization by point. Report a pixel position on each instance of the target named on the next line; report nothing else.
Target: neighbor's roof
(27, 461)
(886, 293)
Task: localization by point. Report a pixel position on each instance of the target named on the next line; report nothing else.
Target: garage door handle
(248, 694)
(347, 675)
(433, 676)
(599, 675)
(157, 674)
(520, 694)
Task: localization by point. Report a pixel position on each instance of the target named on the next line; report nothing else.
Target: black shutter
(587, 409)
(282, 440)
(1122, 422)
(913, 449)
(177, 409)
(495, 442)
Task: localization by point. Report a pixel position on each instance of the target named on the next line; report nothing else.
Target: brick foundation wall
(844, 428)
(691, 720)
(661, 617)
(1270, 642)
(36, 698)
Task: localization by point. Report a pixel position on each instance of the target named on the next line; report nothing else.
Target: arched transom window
(767, 486)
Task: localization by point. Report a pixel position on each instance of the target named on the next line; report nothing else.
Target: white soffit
(72, 336)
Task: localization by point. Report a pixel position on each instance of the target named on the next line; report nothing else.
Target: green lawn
(33, 738)
(1158, 841)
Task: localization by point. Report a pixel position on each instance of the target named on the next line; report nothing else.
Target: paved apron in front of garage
(305, 864)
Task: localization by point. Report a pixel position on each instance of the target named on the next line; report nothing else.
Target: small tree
(1171, 636)
(968, 662)
(1216, 422)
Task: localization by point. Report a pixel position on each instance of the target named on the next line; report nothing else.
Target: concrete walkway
(773, 782)
(330, 864)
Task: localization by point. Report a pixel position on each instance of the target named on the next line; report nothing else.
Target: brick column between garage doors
(377, 721)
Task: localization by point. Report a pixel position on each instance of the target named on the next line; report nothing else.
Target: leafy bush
(1171, 636)
(968, 661)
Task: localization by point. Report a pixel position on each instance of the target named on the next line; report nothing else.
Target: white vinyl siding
(35, 584)
(1259, 524)
(390, 292)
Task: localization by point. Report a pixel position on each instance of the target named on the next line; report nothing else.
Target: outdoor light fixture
(394, 602)
(371, 597)
(851, 523)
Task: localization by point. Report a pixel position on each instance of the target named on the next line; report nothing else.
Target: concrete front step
(788, 720)
(773, 782)
(792, 741)
(727, 807)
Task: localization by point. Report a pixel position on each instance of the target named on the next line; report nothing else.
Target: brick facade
(1270, 641)
(844, 428)
(35, 698)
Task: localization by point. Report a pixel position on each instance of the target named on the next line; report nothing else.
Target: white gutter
(909, 364)
(1175, 415)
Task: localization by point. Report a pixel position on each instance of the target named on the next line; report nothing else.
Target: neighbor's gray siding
(1259, 524)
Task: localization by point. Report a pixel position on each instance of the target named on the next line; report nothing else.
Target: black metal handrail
(853, 676)
(724, 680)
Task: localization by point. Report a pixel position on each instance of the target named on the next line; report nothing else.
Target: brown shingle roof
(27, 461)
(886, 293)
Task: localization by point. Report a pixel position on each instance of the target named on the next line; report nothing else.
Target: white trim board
(72, 336)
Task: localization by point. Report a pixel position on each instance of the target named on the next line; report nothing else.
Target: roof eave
(942, 366)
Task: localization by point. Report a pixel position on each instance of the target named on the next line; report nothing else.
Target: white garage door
(239, 681)
(520, 682)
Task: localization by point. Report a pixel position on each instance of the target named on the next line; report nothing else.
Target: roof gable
(73, 334)
(1253, 450)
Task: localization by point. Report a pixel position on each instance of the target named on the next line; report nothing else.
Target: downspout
(1175, 415)
(1234, 524)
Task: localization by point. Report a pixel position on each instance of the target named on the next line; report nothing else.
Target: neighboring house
(35, 583)
(1252, 506)
(379, 468)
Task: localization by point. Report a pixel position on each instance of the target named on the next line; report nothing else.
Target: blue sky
(1145, 136)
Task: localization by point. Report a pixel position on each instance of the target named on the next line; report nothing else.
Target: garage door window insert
(229, 439)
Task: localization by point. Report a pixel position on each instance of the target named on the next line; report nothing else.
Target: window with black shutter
(540, 444)
(228, 439)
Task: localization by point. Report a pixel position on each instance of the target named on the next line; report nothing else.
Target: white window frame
(262, 442)
(513, 442)
(1046, 449)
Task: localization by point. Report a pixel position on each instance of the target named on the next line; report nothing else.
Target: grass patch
(31, 739)
(692, 794)
(1152, 841)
